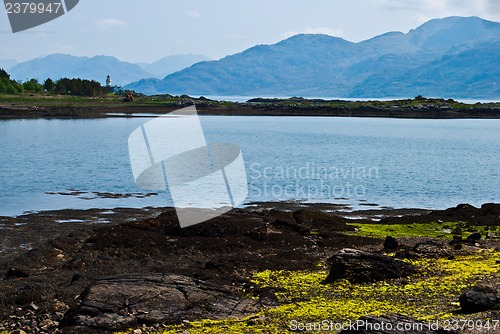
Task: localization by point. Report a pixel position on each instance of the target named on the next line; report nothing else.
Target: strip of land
(63, 106)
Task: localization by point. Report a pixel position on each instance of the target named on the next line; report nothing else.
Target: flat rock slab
(360, 267)
(121, 302)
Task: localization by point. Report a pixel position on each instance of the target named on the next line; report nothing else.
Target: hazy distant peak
(453, 31)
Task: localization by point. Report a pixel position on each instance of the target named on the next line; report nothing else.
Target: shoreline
(67, 107)
(80, 264)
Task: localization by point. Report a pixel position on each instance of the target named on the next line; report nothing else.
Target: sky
(145, 31)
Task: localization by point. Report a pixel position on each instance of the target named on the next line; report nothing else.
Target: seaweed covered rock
(393, 324)
(360, 267)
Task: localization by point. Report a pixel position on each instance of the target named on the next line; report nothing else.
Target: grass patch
(431, 295)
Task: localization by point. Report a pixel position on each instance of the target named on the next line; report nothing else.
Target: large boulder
(393, 324)
(479, 298)
(359, 267)
(121, 302)
(391, 243)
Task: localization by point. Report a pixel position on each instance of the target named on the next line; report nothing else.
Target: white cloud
(194, 14)
(489, 9)
(492, 7)
(110, 23)
(321, 30)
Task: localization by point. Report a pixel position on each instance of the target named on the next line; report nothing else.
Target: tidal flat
(260, 269)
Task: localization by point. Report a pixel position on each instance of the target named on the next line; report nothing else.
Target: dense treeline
(7, 85)
(65, 86)
(77, 87)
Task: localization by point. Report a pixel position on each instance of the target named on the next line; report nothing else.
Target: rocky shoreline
(90, 271)
(62, 107)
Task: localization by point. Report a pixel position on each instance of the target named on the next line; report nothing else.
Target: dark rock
(487, 215)
(489, 208)
(304, 220)
(122, 302)
(166, 221)
(320, 220)
(358, 267)
(391, 243)
(14, 273)
(474, 236)
(302, 230)
(392, 324)
(433, 249)
(479, 298)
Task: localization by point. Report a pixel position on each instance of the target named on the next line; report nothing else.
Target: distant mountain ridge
(453, 57)
(171, 64)
(56, 66)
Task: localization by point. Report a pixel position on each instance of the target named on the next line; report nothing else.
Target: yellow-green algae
(431, 295)
(435, 230)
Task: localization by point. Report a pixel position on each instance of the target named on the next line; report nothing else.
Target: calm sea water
(356, 161)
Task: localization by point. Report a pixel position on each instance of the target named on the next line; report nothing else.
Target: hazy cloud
(194, 14)
(492, 6)
(110, 23)
(427, 9)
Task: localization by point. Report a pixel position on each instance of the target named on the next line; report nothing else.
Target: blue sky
(148, 30)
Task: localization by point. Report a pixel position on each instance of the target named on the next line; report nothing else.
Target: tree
(4, 74)
(80, 87)
(32, 86)
(7, 85)
(49, 85)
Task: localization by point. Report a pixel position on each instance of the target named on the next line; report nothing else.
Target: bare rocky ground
(88, 271)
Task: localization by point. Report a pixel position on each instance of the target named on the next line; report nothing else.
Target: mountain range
(454, 57)
(56, 66)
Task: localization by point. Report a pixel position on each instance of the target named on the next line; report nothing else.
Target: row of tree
(7, 85)
(65, 86)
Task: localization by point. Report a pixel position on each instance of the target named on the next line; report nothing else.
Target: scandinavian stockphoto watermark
(171, 153)
(25, 14)
(311, 181)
